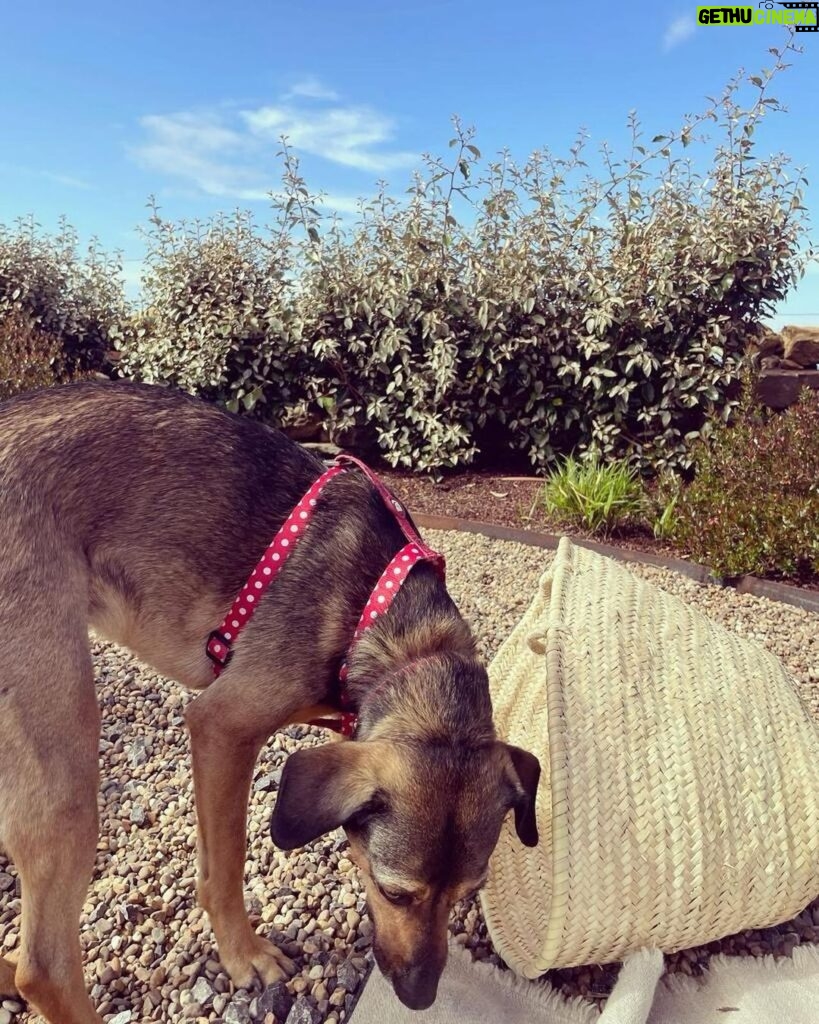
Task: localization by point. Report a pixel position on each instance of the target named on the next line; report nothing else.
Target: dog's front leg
(225, 746)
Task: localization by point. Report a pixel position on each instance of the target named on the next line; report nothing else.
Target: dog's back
(93, 451)
(152, 503)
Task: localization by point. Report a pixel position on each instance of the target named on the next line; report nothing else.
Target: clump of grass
(593, 495)
(661, 506)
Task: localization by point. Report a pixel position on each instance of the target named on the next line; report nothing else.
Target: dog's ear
(526, 771)
(321, 788)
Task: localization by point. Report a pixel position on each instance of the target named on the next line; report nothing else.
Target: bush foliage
(541, 306)
(565, 304)
(753, 506)
(29, 358)
(78, 299)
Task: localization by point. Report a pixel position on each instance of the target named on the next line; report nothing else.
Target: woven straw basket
(679, 800)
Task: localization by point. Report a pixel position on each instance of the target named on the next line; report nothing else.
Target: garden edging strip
(807, 600)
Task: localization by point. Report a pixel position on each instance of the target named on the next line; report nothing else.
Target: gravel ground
(148, 948)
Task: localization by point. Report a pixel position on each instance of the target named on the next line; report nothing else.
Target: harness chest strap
(220, 642)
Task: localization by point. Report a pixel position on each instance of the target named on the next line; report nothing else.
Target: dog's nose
(417, 987)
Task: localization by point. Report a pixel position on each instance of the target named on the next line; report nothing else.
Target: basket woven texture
(679, 800)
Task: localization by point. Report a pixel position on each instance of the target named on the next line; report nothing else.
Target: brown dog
(141, 512)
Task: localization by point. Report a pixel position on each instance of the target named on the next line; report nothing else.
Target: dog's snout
(415, 982)
(417, 987)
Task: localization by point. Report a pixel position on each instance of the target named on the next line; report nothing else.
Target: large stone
(802, 345)
(268, 782)
(276, 1000)
(137, 815)
(238, 1012)
(765, 342)
(347, 976)
(202, 991)
(139, 752)
(780, 388)
(303, 1012)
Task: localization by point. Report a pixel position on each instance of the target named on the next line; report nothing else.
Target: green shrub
(753, 506)
(593, 495)
(537, 306)
(76, 299)
(29, 358)
(217, 318)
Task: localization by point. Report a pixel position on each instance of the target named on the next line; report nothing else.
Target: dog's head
(423, 811)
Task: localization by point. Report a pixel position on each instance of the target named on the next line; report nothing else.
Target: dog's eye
(396, 896)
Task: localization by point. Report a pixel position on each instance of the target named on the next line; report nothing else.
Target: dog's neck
(419, 656)
(417, 673)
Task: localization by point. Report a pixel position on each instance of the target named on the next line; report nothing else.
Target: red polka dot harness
(220, 642)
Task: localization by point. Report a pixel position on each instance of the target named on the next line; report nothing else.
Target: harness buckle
(218, 649)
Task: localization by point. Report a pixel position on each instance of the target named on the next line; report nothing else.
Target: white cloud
(214, 160)
(352, 136)
(311, 88)
(201, 149)
(679, 31)
(231, 153)
(68, 180)
(340, 204)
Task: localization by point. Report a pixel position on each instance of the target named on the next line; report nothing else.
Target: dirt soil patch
(500, 500)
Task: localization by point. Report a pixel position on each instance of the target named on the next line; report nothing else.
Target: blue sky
(103, 104)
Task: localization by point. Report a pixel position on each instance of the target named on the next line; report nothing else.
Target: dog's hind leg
(55, 879)
(49, 780)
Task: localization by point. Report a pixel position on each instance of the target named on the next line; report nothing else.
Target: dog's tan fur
(140, 513)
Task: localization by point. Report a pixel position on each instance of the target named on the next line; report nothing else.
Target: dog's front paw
(256, 958)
